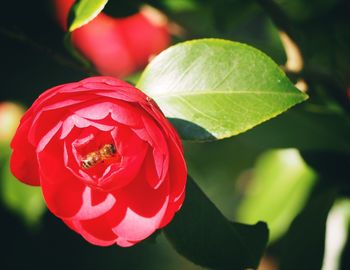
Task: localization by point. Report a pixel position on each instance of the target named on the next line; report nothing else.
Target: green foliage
(278, 190)
(26, 201)
(213, 89)
(218, 244)
(5, 151)
(180, 5)
(83, 11)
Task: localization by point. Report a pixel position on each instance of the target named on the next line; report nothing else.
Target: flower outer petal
(135, 227)
(23, 162)
(77, 226)
(89, 211)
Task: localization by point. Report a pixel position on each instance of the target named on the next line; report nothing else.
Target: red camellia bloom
(117, 46)
(109, 163)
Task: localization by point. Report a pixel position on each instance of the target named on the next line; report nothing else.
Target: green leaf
(83, 11)
(5, 152)
(203, 235)
(305, 241)
(214, 88)
(180, 5)
(278, 190)
(26, 201)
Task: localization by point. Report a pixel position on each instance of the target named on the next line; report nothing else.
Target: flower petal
(124, 243)
(145, 210)
(120, 111)
(132, 151)
(177, 172)
(63, 194)
(90, 211)
(23, 163)
(98, 34)
(92, 232)
(135, 227)
(62, 191)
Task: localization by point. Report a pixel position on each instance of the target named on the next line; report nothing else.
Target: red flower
(117, 46)
(109, 163)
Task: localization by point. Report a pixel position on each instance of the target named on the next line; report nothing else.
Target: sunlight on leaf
(278, 190)
(26, 201)
(180, 5)
(222, 87)
(84, 11)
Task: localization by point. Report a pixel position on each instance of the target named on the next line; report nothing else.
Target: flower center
(103, 154)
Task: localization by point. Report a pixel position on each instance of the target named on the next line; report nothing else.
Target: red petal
(155, 137)
(135, 227)
(63, 194)
(77, 121)
(62, 8)
(104, 82)
(130, 94)
(23, 163)
(124, 243)
(146, 208)
(132, 151)
(90, 211)
(120, 111)
(177, 171)
(45, 139)
(172, 209)
(104, 32)
(62, 191)
(92, 232)
(153, 178)
(137, 29)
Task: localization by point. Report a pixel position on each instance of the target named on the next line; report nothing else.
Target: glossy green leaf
(83, 11)
(278, 190)
(212, 88)
(24, 200)
(203, 235)
(305, 240)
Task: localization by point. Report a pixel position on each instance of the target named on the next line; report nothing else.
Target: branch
(57, 57)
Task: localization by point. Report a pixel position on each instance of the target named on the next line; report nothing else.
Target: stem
(57, 57)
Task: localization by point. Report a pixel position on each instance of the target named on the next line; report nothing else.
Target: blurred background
(292, 171)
